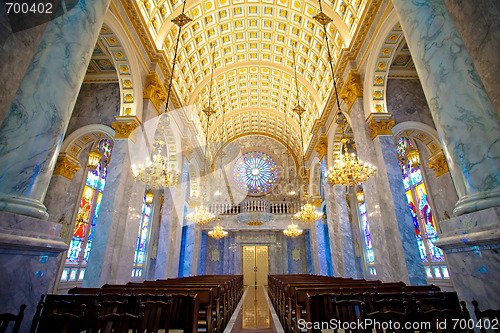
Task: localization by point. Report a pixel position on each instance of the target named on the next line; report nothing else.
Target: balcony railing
(256, 205)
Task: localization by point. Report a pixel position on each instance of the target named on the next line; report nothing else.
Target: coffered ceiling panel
(253, 44)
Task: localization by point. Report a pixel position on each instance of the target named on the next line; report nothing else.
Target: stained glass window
(86, 217)
(421, 213)
(141, 247)
(255, 172)
(367, 238)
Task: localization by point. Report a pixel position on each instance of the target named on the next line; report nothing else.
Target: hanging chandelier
(307, 213)
(155, 173)
(292, 231)
(217, 232)
(201, 215)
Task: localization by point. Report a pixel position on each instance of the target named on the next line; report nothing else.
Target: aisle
(254, 314)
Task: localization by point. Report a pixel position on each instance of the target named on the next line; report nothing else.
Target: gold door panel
(255, 265)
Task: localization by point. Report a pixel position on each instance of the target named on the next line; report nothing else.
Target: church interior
(243, 150)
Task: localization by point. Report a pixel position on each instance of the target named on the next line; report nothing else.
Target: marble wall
(296, 255)
(97, 103)
(406, 101)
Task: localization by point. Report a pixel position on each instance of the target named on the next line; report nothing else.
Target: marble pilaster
(465, 119)
(166, 218)
(313, 240)
(396, 252)
(32, 131)
(196, 250)
(339, 228)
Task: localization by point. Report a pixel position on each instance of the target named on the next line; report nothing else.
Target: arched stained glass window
(423, 220)
(141, 247)
(255, 172)
(86, 217)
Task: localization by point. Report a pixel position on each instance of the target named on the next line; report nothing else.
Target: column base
(29, 260)
(477, 202)
(23, 206)
(472, 244)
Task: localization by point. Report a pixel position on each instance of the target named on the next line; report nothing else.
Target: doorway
(255, 265)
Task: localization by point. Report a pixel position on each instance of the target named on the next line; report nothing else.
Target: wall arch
(77, 141)
(421, 132)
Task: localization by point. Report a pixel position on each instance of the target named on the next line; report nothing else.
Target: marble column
(465, 119)
(395, 247)
(313, 240)
(339, 229)
(32, 131)
(164, 237)
(196, 250)
(481, 18)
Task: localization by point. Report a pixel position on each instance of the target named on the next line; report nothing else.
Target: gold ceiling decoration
(255, 34)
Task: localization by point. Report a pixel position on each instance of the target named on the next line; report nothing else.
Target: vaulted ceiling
(252, 43)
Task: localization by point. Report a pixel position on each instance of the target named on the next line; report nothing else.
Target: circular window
(255, 172)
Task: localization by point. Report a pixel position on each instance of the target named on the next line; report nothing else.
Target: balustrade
(255, 205)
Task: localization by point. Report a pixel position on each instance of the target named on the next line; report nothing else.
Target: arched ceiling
(253, 42)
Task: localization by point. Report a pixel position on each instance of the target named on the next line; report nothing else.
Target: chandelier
(307, 213)
(217, 232)
(348, 170)
(292, 231)
(155, 173)
(201, 215)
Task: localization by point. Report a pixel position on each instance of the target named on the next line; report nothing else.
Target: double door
(255, 265)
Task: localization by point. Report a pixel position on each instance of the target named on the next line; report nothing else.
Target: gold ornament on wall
(66, 166)
(438, 163)
(353, 89)
(379, 124)
(124, 129)
(155, 91)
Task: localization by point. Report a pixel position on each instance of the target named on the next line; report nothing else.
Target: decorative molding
(438, 163)
(322, 147)
(155, 91)
(124, 126)
(193, 202)
(380, 124)
(66, 166)
(215, 254)
(352, 89)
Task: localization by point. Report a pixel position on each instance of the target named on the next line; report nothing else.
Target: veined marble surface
(464, 116)
(32, 131)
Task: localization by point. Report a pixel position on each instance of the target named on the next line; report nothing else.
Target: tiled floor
(254, 314)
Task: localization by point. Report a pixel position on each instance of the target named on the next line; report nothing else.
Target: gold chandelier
(308, 214)
(201, 215)
(348, 170)
(292, 231)
(155, 173)
(217, 232)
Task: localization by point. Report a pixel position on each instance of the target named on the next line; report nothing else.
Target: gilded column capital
(353, 88)
(437, 162)
(124, 125)
(380, 124)
(66, 166)
(322, 147)
(155, 91)
(316, 201)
